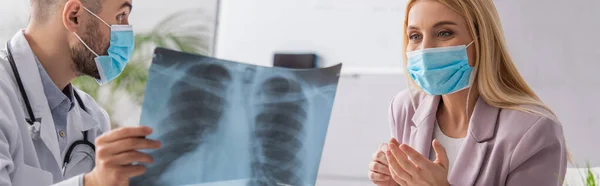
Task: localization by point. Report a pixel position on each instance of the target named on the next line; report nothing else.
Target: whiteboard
(359, 33)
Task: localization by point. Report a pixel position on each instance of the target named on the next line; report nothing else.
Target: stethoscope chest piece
(34, 130)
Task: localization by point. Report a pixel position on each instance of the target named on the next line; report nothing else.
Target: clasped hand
(407, 167)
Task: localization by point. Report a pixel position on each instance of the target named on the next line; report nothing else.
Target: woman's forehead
(427, 13)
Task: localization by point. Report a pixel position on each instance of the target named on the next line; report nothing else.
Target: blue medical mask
(122, 42)
(440, 71)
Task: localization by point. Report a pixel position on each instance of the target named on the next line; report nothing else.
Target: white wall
(357, 32)
(555, 49)
(553, 43)
(13, 15)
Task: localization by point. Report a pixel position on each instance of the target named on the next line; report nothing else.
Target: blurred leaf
(190, 44)
(87, 84)
(590, 177)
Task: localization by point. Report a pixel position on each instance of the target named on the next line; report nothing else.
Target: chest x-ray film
(223, 123)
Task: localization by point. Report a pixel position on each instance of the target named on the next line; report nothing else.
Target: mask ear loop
(86, 46)
(470, 43)
(95, 16)
(471, 81)
(410, 92)
(408, 85)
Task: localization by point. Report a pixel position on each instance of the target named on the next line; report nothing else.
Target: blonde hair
(496, 77)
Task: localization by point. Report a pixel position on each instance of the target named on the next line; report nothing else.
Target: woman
(471, 119)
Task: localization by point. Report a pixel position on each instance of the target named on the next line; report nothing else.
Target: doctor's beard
(83, 59)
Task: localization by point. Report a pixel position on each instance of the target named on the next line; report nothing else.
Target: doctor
(50, 132)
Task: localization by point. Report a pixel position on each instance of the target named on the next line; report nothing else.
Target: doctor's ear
(72, 15)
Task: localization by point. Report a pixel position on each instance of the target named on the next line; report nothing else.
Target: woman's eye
(445, 34)
(414, 37)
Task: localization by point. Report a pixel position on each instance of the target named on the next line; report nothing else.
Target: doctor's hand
(115, 153)
(379, 172)
(418, 170)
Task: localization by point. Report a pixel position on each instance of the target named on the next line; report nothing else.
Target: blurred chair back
(297, 61)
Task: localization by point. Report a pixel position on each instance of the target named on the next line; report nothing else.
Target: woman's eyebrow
(442, 23)
(438, 24)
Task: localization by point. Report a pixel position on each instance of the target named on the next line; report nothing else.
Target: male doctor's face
(93, 31)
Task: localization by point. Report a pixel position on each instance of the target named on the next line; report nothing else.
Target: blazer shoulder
(534, 135)
(528, 133)
(520, 121)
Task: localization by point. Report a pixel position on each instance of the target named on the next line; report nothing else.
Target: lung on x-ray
(224, 123)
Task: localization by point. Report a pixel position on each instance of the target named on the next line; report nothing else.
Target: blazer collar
(482, 125)
(426, 108)
(484, 121)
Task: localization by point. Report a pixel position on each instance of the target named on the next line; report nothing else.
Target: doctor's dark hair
(42, 10)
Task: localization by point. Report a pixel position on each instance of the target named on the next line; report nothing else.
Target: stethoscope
(35, 123)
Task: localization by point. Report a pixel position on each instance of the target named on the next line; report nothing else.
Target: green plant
(589, 178)
(186, 31)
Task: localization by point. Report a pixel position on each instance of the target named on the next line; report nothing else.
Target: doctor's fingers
(123, 133)
(129, 171)
(127, 158)
(125, 145)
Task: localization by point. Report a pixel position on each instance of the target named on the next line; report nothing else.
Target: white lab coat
(28, 162)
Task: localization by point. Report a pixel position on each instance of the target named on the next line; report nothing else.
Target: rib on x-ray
(223, 123)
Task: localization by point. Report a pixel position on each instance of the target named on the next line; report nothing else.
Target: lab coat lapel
(30, 76)
(473, 152)
(81, 119)
(424, 120)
